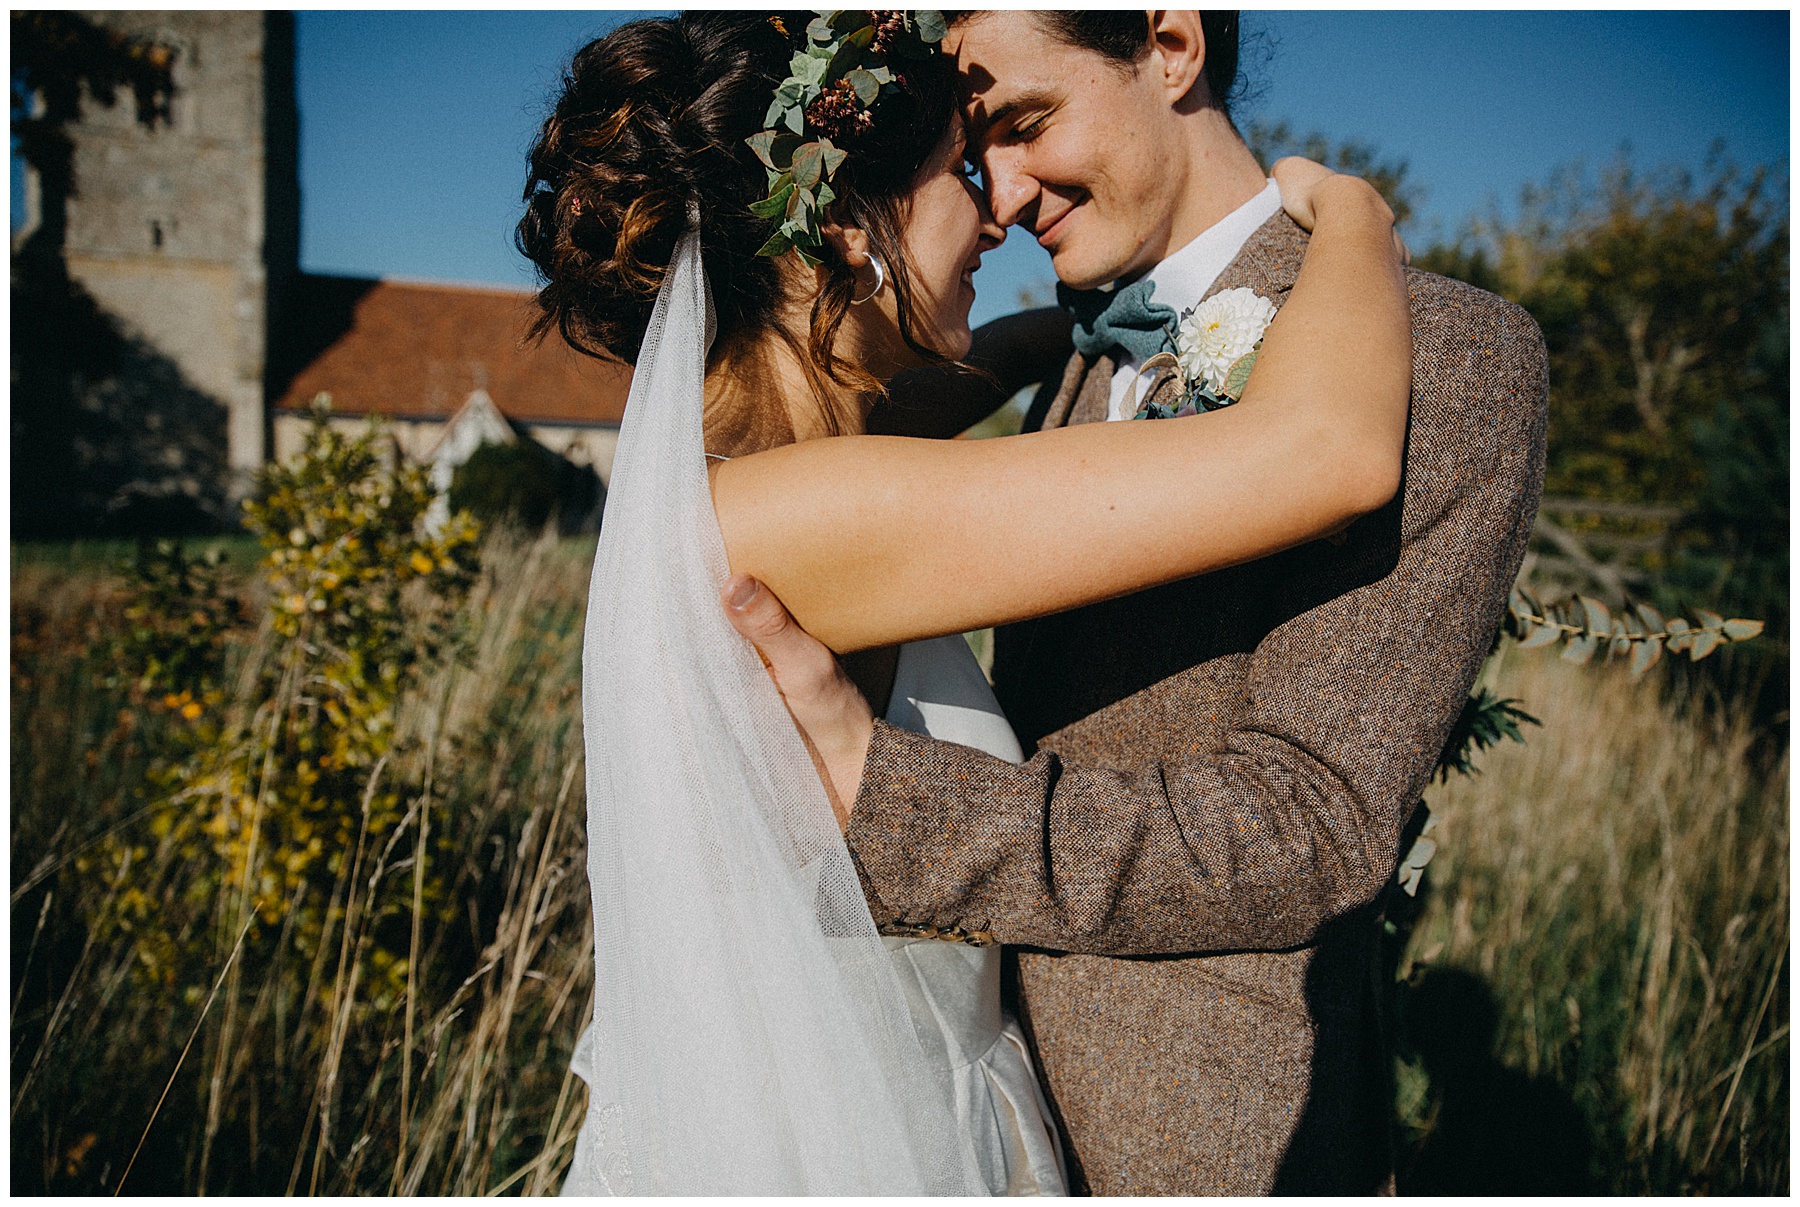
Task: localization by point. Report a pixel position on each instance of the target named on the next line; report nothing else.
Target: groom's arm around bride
(1223, 770)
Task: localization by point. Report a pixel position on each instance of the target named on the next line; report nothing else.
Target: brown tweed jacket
(1223, 769)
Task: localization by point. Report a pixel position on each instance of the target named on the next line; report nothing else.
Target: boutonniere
(1216, 344)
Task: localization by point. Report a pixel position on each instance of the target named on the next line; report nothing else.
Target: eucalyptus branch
(1637, 631)
(1585, 625)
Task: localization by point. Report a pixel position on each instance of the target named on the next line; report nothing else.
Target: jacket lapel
(1094, 399)
(1267, 264)
(1074, 398)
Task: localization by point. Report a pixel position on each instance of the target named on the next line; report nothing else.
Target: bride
(767, 253)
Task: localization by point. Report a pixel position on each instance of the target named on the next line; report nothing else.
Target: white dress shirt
(1183, 279)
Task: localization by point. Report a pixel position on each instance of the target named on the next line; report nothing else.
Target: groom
(1190, 864)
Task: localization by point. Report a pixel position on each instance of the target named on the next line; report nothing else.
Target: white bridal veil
(749, 1033)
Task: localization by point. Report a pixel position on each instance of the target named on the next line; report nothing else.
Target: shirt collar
(1183, 278)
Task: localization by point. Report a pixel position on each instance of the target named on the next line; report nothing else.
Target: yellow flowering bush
(281, 786)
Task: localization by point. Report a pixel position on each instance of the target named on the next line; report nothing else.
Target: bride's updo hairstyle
(655, 114)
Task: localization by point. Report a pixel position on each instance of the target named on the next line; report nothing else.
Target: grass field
(1595, 982)
(1613, 896)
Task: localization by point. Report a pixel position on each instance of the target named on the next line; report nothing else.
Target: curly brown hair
(654, 115)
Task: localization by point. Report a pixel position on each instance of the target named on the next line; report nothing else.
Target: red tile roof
(415, 351)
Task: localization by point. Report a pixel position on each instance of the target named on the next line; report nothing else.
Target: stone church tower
(187, 235)
(190, 233)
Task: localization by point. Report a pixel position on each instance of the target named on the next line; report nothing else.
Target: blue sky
(414, 124)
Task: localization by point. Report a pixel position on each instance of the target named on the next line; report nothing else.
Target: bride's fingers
(1297, 177)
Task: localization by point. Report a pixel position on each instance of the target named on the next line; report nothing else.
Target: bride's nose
(992, 233)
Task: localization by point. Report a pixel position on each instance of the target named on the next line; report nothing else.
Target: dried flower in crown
(836, 82)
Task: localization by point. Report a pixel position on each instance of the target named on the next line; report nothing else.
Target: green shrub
(418, 1048)
(270, 800)
(526, 483)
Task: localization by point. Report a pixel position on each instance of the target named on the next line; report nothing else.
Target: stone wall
(189, 234)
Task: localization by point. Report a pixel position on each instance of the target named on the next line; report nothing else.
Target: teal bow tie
(1122, 318)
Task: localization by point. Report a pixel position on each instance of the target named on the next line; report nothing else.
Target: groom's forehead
(1001, 66)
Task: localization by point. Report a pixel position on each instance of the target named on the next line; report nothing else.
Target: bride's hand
(834, 719)
(1304, 188)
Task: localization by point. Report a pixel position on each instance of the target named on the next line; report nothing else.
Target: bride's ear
(850, 242)
(855, 251)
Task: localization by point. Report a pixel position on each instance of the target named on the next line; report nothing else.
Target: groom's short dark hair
(1123, 36)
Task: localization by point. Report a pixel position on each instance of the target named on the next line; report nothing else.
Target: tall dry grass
(1617, 889)
(1620, 885)
(285, 1076)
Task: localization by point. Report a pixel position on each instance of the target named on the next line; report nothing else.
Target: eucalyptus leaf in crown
(848, 65)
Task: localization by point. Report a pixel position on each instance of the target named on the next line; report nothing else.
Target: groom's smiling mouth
(1050, 228)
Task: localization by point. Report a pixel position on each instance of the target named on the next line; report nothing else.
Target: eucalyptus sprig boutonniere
(1216, 345)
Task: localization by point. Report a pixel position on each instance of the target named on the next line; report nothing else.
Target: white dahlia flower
(1217, 332)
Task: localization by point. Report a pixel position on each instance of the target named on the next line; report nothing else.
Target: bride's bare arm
(872, 540)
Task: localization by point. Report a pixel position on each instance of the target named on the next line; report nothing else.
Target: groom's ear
(1180, 55)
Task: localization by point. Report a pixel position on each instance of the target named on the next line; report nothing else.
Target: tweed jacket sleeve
(1258, 788)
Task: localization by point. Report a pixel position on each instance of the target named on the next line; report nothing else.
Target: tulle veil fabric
(749, 1035)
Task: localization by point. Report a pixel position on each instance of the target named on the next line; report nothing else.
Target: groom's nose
(1011, 191)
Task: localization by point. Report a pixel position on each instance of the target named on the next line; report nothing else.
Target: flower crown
(836, 82)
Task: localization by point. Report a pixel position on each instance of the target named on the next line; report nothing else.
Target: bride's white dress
(751, 1032)
(953, 989)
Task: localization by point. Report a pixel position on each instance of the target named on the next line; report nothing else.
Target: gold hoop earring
(880, 280)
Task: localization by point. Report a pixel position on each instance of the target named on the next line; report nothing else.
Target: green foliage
(526, 483)
(1470, 262)
(1663, 298)
(1731, 548)
(1632, 858)
(1483, 722)
(345, 534)
(1743, 444)
(1653, 292)
(383, 1062)
(836, 79)
(181, 613)
(273, 800)
(1269, 142)
(1639, 633)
